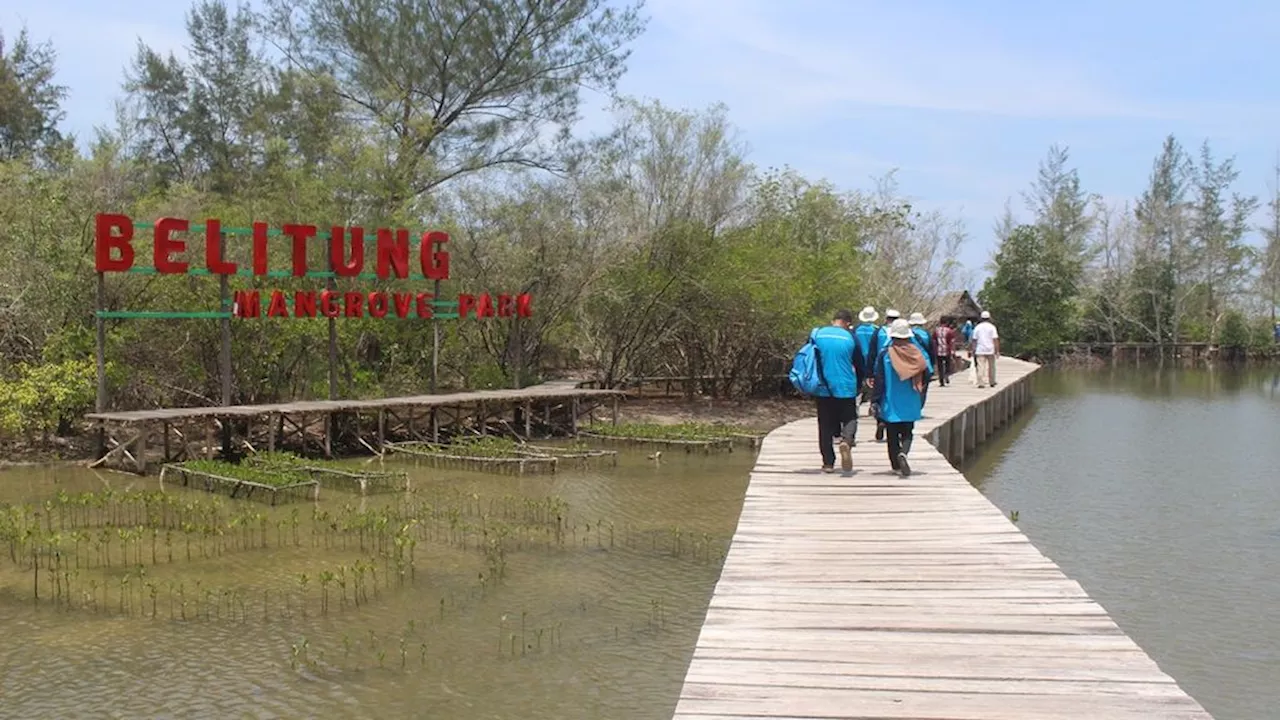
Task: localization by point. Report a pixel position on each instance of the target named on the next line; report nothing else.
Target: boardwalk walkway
(873, 596)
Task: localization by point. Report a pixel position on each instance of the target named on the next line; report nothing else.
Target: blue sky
(962, 98)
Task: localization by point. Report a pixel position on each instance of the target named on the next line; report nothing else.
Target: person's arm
(995, 338)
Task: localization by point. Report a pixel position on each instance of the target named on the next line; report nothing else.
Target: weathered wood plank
(865, 595)
(549, 391)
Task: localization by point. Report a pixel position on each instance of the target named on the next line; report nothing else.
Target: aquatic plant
(691, 431)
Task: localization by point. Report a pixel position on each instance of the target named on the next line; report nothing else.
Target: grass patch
(273, 476)
(657, 431)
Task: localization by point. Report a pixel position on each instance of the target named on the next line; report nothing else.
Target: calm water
(1160, 493)
(598, 622)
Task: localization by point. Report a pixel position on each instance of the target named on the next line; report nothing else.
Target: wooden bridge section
(135, 439)
(867, 595)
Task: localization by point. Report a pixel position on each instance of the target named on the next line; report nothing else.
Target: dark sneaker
(828, 469)
(904, 467)
(846, 457)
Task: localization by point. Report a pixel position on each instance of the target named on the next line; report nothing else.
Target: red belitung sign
(114, 253)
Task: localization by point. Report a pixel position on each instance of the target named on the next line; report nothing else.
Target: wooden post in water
(224, 292)
(435, 333)
(518, 341)
(331, 418)
(100, 401)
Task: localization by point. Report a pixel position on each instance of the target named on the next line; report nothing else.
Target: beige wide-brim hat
(900, 329)
(868, 315)
(891, 314)
(916, 319)
(985, 315)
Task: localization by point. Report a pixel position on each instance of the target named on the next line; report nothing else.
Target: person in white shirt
(986, 348)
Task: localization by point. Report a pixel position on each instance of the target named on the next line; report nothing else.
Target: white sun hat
(890, 314)
(985, 315)
(900, 329)
(868, 315)
(916, 319)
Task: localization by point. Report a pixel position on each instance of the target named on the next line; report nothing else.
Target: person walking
(837, 397)
(899, 380)
(944, 340)
(986, 349)
(882, 342)
(882, 337)
(924, 339)
(865, 337)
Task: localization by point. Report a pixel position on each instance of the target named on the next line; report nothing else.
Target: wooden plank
(546, 391)
(867, 595)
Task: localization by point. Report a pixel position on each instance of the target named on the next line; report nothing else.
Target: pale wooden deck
(873, 596)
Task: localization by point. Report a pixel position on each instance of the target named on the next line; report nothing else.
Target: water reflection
(1156, 489)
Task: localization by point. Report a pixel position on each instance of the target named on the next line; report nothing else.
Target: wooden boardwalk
(872, 596)
(130, 437)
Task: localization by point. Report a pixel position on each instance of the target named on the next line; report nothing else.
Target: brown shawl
(909, 363)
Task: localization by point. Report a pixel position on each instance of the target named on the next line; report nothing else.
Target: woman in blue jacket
(899, 373)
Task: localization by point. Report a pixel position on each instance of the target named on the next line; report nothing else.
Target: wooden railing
(686, 385)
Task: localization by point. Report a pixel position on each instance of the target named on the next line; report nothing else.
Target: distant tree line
(655, 248)
(1182, 263)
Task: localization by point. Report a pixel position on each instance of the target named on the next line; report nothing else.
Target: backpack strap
(817, 358)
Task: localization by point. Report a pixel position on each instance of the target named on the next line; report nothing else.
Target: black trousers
(944, 369)
(899, 440)
(837, 417)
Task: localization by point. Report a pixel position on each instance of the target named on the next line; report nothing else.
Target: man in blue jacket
(837, 397)
(865, 335)
(898, 385)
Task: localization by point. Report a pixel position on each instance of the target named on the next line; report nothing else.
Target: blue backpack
(806, 368)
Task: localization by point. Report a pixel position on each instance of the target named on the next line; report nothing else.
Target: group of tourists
(888, 367)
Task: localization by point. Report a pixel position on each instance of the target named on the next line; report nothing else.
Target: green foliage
(656, 249)
(276, 476)
(30, 100)
(481, 447)
(46, 398)
(681, 431)
(1235, 333)
(1031, 295)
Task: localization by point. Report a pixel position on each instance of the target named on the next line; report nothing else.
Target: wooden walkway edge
(867, 595)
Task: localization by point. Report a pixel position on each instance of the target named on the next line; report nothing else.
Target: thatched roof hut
(957, 306)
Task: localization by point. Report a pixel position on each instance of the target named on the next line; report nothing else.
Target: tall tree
(1269, 267)
(1062, 210)
(1163, 257)
(1220, 220)
(30, 99)
(1031, 293)
(457, 86)
(200, 120)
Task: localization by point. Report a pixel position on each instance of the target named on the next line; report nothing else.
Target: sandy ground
(763, 415)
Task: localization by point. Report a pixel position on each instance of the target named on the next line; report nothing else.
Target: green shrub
(46, 398)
